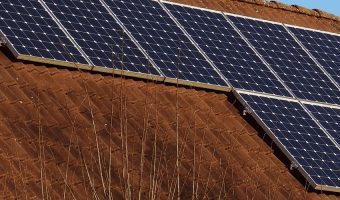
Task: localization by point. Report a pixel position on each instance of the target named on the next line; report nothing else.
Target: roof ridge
(300, 9)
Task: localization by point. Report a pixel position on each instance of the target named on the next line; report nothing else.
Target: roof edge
(327, 188)
(126, 73)
(294, 8)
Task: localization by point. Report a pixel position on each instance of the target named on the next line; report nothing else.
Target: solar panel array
(299, 72)
(158, 34)
(98, 34)
(287, 76)
(230, 53)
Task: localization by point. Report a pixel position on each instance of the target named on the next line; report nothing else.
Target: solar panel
(158, 34)
(300, 137)
(229, 52)
(31, 31)
(99, 35)
(324, 47)
(293, 65)
(329, 118)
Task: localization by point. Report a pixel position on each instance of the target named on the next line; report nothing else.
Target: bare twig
(41, 140)
(194, 165)
(95, 195)
(154, 179)
(91, 111)
(111, 122)
(177, 125)
(144, 136)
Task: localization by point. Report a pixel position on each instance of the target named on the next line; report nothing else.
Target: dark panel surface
(98, 34)
(289, 60)
(229, 52)
(158, 34)
(31, 31)
(301, 137)
(324, 47)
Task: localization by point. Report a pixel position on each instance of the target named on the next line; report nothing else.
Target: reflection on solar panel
(299, 136)
(98, 34)
(229, 52)
(324, 47)
(298, 71)
(158, 34)
(31, 31)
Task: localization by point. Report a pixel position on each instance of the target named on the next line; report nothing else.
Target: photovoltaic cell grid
(329, 119)
(31, 30)
(324, 47)
(99, 35)
(298, 71)
(158, 34)
(229, 52)
(301, 136)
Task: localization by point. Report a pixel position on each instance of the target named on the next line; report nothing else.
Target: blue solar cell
(329, 118)
(229, 52)
(98, 34)
(157, 33)
(324, 47)
(304, 140)
(299, 72)
(32, 31)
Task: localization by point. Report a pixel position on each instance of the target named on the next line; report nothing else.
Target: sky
(331, 6)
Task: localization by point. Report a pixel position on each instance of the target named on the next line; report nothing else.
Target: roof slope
(70, 134)
(64, 133)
